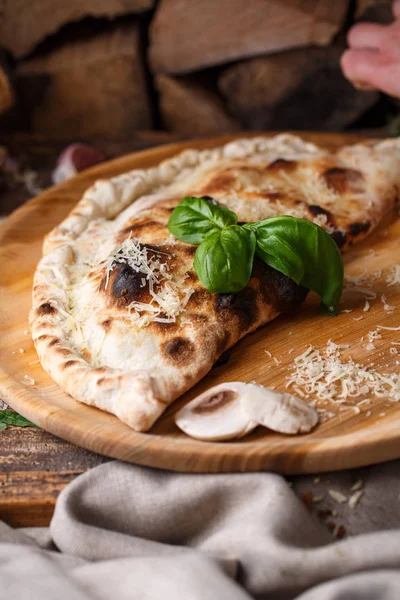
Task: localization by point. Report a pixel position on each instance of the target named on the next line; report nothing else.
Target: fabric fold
(124, 531)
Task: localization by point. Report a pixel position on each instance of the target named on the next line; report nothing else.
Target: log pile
(106, 69)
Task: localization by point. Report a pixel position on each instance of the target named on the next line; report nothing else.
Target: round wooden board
(347, 440)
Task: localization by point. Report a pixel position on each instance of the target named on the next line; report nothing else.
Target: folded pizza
(120, 319)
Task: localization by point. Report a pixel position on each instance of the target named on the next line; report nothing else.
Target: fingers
(366, 35)
(396, 9)
(372, 35)
(373, 59)
(354, 65)
(369, 68)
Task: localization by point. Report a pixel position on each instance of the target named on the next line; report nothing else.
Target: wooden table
(35, 465)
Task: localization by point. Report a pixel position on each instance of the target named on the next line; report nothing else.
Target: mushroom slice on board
(217, 414)
(278, 411)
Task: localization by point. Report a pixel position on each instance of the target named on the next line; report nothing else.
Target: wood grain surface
(34, 467)
(347, 440)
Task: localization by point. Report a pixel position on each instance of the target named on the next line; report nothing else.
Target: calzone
(119, 318)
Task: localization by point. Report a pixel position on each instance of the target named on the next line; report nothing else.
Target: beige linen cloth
(126, 532)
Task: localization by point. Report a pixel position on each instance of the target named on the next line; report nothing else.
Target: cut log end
(25, 24)
(213, 33)
(189, 109)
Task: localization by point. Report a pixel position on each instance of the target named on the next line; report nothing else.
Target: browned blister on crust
(103, 329)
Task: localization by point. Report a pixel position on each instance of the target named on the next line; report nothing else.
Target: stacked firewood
(90, 69)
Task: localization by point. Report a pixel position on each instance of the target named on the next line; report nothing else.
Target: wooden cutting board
(346, 440)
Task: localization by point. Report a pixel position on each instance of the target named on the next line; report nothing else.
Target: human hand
(373, 58)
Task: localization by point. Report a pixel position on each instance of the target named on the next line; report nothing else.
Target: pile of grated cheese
(328, 377)
(169, 296)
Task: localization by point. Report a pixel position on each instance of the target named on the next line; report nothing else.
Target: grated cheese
(354, 498)
(376, 275)
(136, 255)
(329, 378)
(365, 401)
(169, 297)
(387, 306)
(186, 323)
(337, 496)
(321, 220)
(374, 335)
(393, 277)
(317, 499)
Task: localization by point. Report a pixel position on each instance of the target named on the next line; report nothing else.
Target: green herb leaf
(9, 417)
(224, 260)
(194, 218)
(304, 252)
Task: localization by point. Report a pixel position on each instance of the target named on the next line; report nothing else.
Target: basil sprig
(298, 248)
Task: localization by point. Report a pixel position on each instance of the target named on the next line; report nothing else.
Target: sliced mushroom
(278, 411)
(230, 410)
(217, 414)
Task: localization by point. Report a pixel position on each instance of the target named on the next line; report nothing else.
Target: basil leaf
(194, 218)
(224, 260)
(280, 255)
(304, 252)
(9, 417)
